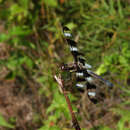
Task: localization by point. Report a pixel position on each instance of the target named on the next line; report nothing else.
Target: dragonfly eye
(66, 29)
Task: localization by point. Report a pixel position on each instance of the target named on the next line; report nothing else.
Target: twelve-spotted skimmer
(85, 78)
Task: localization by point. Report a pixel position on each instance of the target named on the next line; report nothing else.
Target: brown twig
(61, 86)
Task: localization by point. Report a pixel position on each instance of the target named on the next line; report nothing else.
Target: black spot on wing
(81, 60)
(90, 86)
(66, 29)
(80, 89)
(71, 42)
(93, 100)
(80, 79)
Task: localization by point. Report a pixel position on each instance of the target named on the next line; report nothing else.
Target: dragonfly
(85, 78)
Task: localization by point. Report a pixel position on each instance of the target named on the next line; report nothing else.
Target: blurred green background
(32, 48)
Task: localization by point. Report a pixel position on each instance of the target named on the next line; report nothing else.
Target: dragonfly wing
(100, 78)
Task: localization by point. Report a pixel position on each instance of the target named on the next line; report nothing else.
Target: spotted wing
(85, 78)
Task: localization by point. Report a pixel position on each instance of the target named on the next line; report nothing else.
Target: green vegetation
(32, 48)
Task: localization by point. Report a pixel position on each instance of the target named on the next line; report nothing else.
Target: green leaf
(41, 79)
(125, 117)
(19, 31)
(101, 70)
(12, 63)
(16, 62)
(17, 11)
(28, 61)
(24, 3)
(112, 10)
(4, 37)
(4, 123)
(120, 8)
(49, 128)
(71, 25)
(52, 3)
